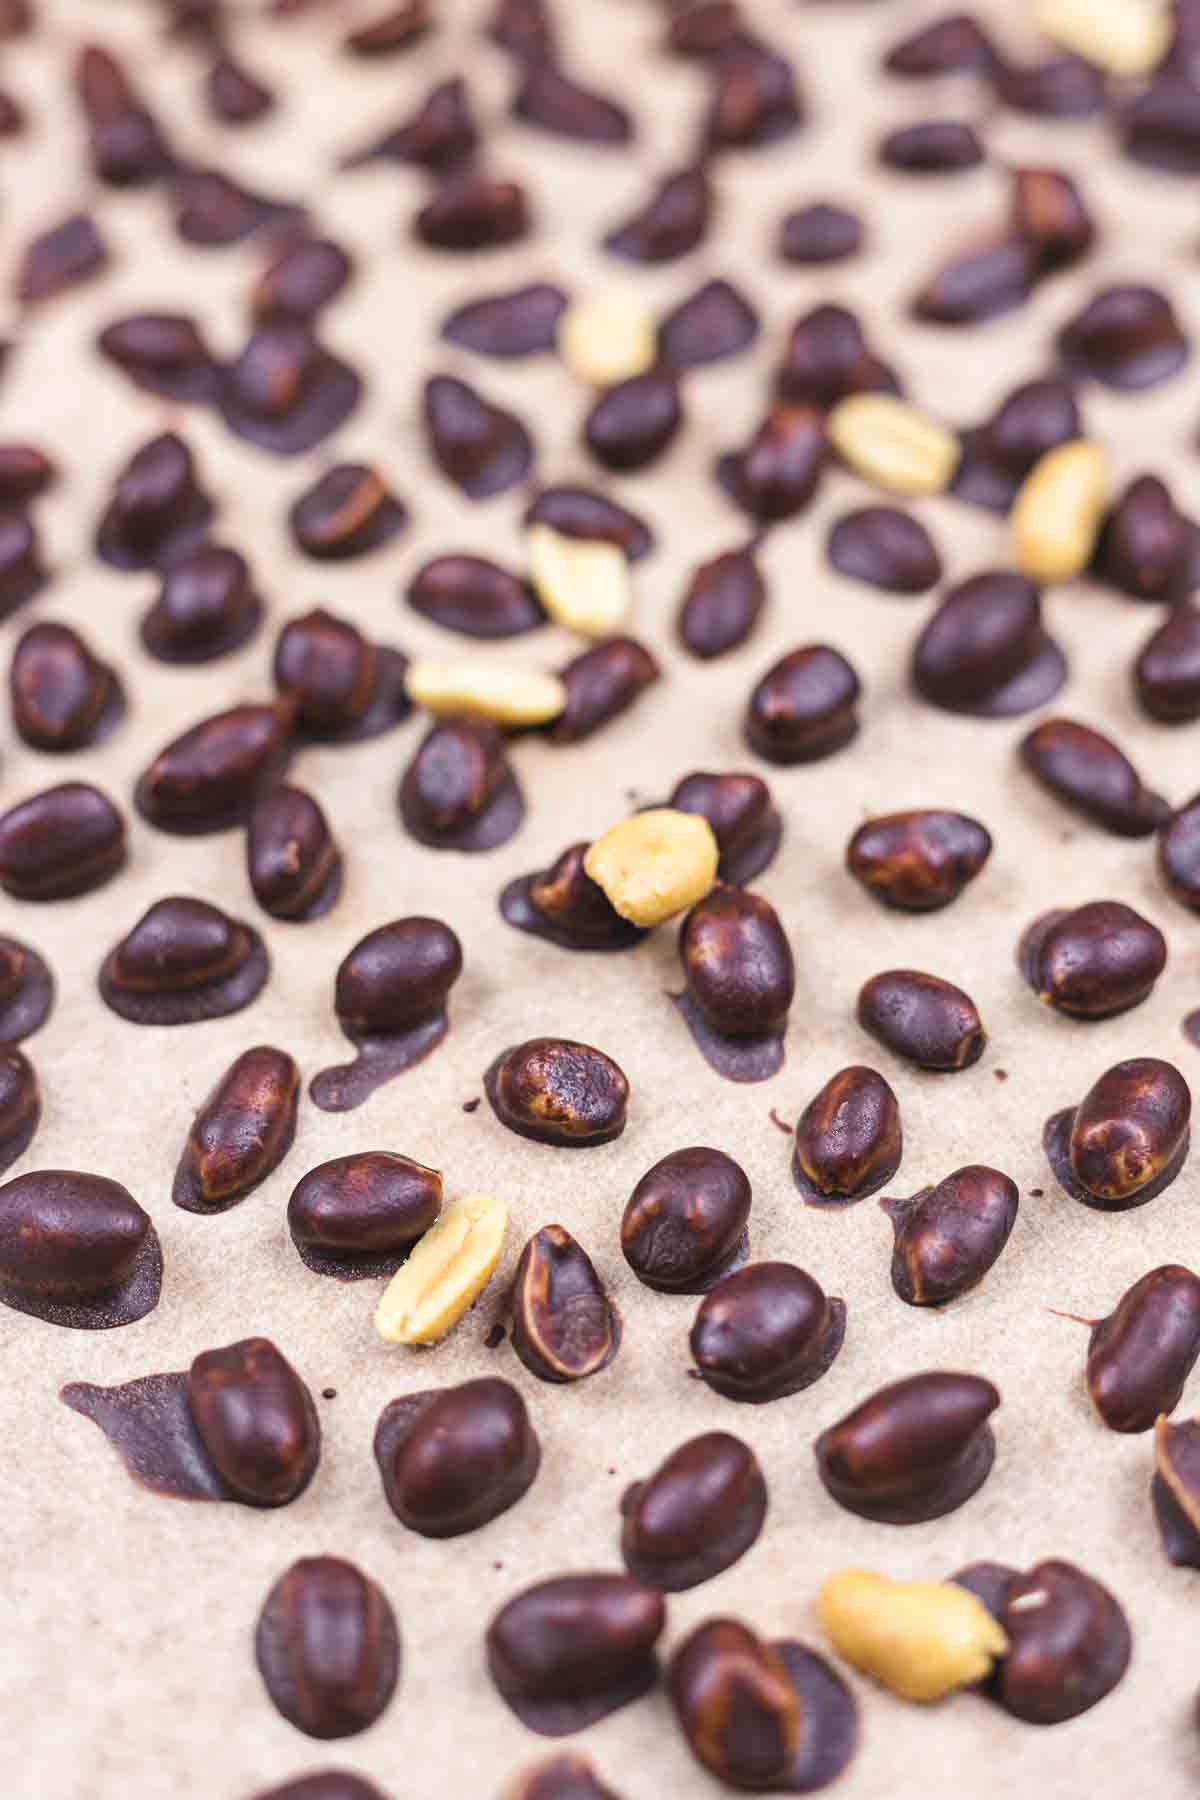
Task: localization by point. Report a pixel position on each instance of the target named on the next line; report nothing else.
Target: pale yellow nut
(507, 693)
(922, 1639)
(583, 583)
(607, 337)
(1058, 512)
(446, 1273)
(1123, 37)
(654, 865)
(892, 445)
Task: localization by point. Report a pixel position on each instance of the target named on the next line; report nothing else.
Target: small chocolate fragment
(25, 472)
(1091, 775)
(1062, 87)
(77, 1250)
(360, 1215)
(1160, 125)
(212, 775)
(1049, 213)
(20, 1104)
(21, 572)
(125, 142)
(1179, 854)
(327, 1648)
(713, 323)
(563, 905)
(922, 1018)
(471, 212)
(985, 651)
(766, 1331)
(207, 607)
(684, 1226)
(212, 211)
(183, 962)
(721, 607)
(1140, 1356)
(1127, 1139)
(242, 1132)
(804, 708)
(347, 512)
(557, 1091)
(61, 258)
(914, 1450)
(63, 697)
(1147, 548)
(574, 1649)
(396, 28)
(704, 28)
(1036, 417)
(481, 448)
(162, 353)
(818, 234)
(567, 1777)
(1125, 337)
(740, 981)
(1092, 961)
(549, 99)
(580, 513)
(285, 392)
(673, 221)
(452, 1459)
(440, 135)
(744, 821)
(564, 1326)
(918, 861)
(478, 598)
(980, 282)
(948, 1236)
(515, 323)
(63, 841)
(326, 1784)
(849, 1140)
(634, 421)
(158, 508)
(777, 473)
(953, 43)
(13, 118)
(932, 147)
(886, 549)
(1167, 672)
(1175, 1490)
(292, 859)
(771, 1717)
(26, 990)
(390, 998)
(828, 358)
(300, 281)
(342, 687)
(699, 1512)
(1069, 1641)
(234, 94)
(525, 29)
(458, 792)
(601, 683)
(755, 100)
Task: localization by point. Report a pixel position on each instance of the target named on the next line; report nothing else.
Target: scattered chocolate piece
(673, 221)
(1091, 775)
(26, 990)
(601, 683)
(347, 512)
(396, 28)
(952, 44)
(1160, 126)
(1140, 1356)
(818, 234)
(574, 1649)
(564, 1326)
(478, 598)
(713, 323)
(949, 1236)
(183, 962)
(698, 1514)
(1092, 961)
(126, 146)
(63, 841)
(580, 513)
(300, 282)
(525, 29)
(886, 549)
(556, 1091)
(77, 1250)
(341, 687)
(755, 100)
(360, 1215)
(20, 1104)
(327, 1648)
(212, 211)
(704, 28)
(162, 353)
(1179, 854)
(242, 1132)
(985, 651)
(722, 604)
(633, 422)
(481, 448)
(922, 1018)
(212, 775)
(22, 574)
(327, 1784)
(13, 117)
(440, 135)
(234, 95)
(1175, 1490)
(61, 258)
(980, 282)
(458, 792)
(1063, 87)
(453, 1459)
(390, 997)
(684, 1225)
(158, 508)
(292, 858)
(471, 211)
(285, 392)
(739, 979)
(517, 322)
(1127, 1139)
(549, 99)
(1147, 548)
(804, 708)
(1126, 338)
(25, 472)
(567, 1777)
(1050, 214)
(764, 1332)
(918, 861)
(915, 1450)
(1069, 1641)
(742, 814)
(561, 904)
(828, 358)
(207, 607)
(997, 456)
(849, 1140)
(932, 147)
(1167, 672)
(63, 696)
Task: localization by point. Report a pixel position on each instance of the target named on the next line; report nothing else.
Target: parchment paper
(128, 1618)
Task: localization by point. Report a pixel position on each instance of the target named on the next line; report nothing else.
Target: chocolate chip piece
(25, 472)
(20, 1104)
(1091, 775)
(341, 687)
(1167, 671)
(396, 28)
(300, 281)
(704, 28)
(556, 1091)
(1092, 961)
(1049, 212)
(1069, 1641)
(698, 1514)
(684, 1225)
(673, 221)
(745, 823)
(549, 99)
(13, 118)
(1063, 87)
(564, 906)
(918, 860)
(634, 421)
(1036, 417)
(1175, 1490)
(212, 211)
(126, 145)
(518, 322)
(739, 983)
(158, 508)
(985, 651)
(235, 95)
(947, 45)
(206, 607)
(1125, 337)
(481, 448)
(933, 147)
(886, 549)
(242, 1132)
(564, 1326)
(22, 574)
(478, 598)
(1160, 125)
(713, 323)
(828, 358)
(779, 470)
(574, 1649)
(601, 684)
(755, 99)
(818, 234)
(721, 607)
(327, 1648)
(580, 513)
(327, 1784)
(162, 353)
(360, 1215)
(210, 776)
(1140, 1356)
(566, 1777)
(766, 1331)
(440, 135)
(292, 859)
(77, 1250)
(285, 392)
(183, 962)
(524, 28)
(26, 990)
(848, 1141)
(1126, 1140)
(390, 997)
(458, 792)
(804, 707)
(922, 1018)
(61, 258)
(1179, 853)
(471, 211)
(915, 1450)
(454, 1458)
(949, 1236)
(63, 697)
(347, 512)
(980, 282)
(1147, 548)
(63, 841)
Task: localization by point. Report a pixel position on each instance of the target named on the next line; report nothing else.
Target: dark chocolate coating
(912, 1451)
(1094, 960)
(742, 814)
(564, 1326)
(684, 1225)
(1140, 1356)
(722, 604)
(458, 792)
(804, 707)
(63, 697)
(63, 841)
(602, 683)
(327, 1648)
(184, 961)
(1175, 1490)
(557, 1091)
(481, 448)
(776, 474)
(574, 1649)
(20, 1104)
(211, 776)
(1166, 675)
(1127, 1138)
(1069, 1640)
(292, 859)
(242, 1132)
(26, 990)
(922, 1018)
(1086, 770)
(985, 651)
(886, 549)
(1178, 853)
(391, 997)
(452, 1459)
(919, 860)
(766, 1331)
(361, 1214)
(948, 1236)
(77, 1250)
(285, 392)
(158, 508)
(848, 1140)
(564, 906)
(700, 1511)
(206, 607)
(478, 598)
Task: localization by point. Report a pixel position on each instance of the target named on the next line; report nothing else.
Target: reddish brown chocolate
(25, 472)
(634, 421)
(1127, 1139)
(722, 604)
(163, 354)
(745, 823)
(1126, 338)
(125, 143)
(453, 1459)
(327, 1648)
(212, 211)
(440, 134)
(699, 1512)
(562, 905)
(949, 1236)
(673, 220)
(574, 1649)
(390, 997)
(819, 233)
(1140, 1356)
(63, 697)
(481, 448)
(77, 1250)
(713, 323)
(63, 841)
(950, 43)
(1069, 1642)
(158, 508)
(1091, 775)
(183, 962)
(1179, 854)
(602, 683)
(516, 322)
(740, 981)
(22, 574)
(755, 98)
(471, 211)
(581, 513)
(213, 775)
(242, 1132)
(360, 1215)
(805, 707)
(326, 1784)
(828, 358)
(922, 1018)
(476, 597)
(301, 280)
(1092, 961)
(26, 990)
(764, 1332)
(918, 861)
(292, 858)
(914, 1450)
(885, 549)
(564, 1326)
(985, 651)
(1147, 548)
(285, 392)
(68, 254)
(684, 1225)
(549, 99)
(1050, 214)
(556, 1091)
(458, 792)
(848, 1140)
(20, 1104)
(1166, 674)
(1175, 1490)
(779, 470)
(343, 688)
(395, 28)
(206, 607)
(931, 147)
(347, 512)
(1035, 417)
(566, 1777)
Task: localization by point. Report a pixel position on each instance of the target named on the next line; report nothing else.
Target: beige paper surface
(126, 1651)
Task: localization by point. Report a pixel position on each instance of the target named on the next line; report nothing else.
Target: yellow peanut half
(922, 1639)
(507, 693)
(607, 337)
(583, 583)
(892, 445)
(1124, 37)
(445, 1274)
(654, 865)
(1057, 514)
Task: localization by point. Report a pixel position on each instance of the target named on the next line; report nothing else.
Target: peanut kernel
(607, 337)
(446, 1273)
(655, 864)
(1058, 512)
(583, 583)
(892, 445)
(922, 1639)
(508, 693)
(1124, 37)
